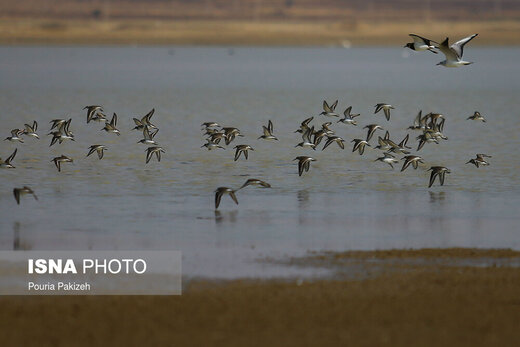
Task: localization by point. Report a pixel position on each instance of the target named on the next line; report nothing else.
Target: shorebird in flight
(97, 148)
(454, 52)
(306, 136)
(336, 139)
(388, 158)
(477, 116)
(255, 182)
(329, 110)
(349, 117)
(61, 159)
(479, 160)
(211, 145)
(94, 112)
(230, 133)
(18, 192)
(15, 136)
(371, 129)
(359, 145)
(145, 121)
(111, 127)
(304, 163)
(30, 130)
(411, 159)
(440, 171)
(148, 137)
(6, 164)
(268, 132)
(220, 192)
(420, 44)
(242, 149)
(150, 152)
(63, 132)
(386, 109)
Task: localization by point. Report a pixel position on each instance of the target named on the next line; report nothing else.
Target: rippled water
(345, 201)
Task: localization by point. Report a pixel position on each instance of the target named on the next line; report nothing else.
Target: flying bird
(304, 163)
(268, 132)
(477, 116)
(150, 152)
(386, 109)
(140, 124)
(242, 149)
(329, 110)
(61, 159)
(359, 145)
(440, 171)
(30, 130)
(255, 182)
(414, 160)
(220, 192)
(420, 44)
(18, 192)
(93, 113)
(454, 52)
(97, 148)
(6, 164)
(111, 127)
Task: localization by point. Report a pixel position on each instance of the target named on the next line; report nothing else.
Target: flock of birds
(430, 126)
(60, 132)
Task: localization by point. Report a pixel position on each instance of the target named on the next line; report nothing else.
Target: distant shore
(411, 298)
(248, 33)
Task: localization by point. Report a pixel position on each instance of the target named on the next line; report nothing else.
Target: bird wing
(441, 177)
(432, 178)
(300, 167)
(403, 143)
(307, 121)
(149, 115)
(16, 193)
(421, 40)
(387, 113)
(326, 107)
(11, 157)
(458, 46)
(233, 196)
(218, 197)
(346, 113)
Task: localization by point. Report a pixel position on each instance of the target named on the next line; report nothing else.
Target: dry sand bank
(236, 32)
(417, 305)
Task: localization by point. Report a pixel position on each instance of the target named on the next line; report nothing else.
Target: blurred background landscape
(255, 22)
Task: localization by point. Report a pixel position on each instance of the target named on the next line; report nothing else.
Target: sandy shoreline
(417, 304)
(241, 32)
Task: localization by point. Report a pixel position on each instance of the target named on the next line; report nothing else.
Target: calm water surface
(345, 201)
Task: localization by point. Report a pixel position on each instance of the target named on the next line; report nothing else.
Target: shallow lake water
(346, 201)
